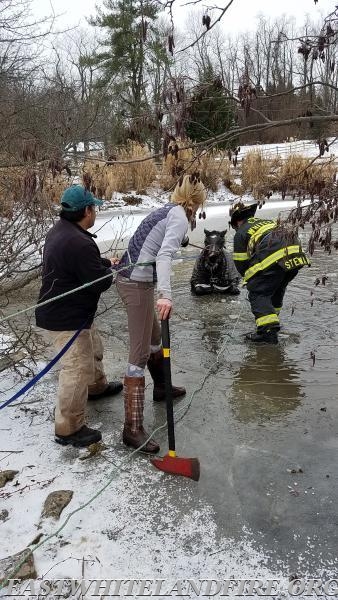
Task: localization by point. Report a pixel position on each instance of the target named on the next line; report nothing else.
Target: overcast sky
(240, 16)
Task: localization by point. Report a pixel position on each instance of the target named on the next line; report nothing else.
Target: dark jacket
(70, 258)
(259, 245)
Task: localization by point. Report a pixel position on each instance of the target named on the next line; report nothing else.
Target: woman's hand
(114, 260)
(164, 307)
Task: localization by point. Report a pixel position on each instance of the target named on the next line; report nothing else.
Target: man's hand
(114, 260)
(164, 307)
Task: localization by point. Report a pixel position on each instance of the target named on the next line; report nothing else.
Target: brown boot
(133, 432)
(155, 366)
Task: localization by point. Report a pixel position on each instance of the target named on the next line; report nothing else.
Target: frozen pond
(110, 226)
(262, 411)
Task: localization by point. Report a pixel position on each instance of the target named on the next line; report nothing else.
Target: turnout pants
(81, 373)
(266, 294)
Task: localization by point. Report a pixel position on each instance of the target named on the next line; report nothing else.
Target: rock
(9, 565)
(7, 476)
(3, 515)
(56, 502)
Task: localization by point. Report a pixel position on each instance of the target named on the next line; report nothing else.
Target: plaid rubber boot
(134, 434)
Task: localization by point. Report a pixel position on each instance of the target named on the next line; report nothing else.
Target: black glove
(185, 242)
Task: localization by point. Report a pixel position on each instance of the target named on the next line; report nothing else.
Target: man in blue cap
(72, 258)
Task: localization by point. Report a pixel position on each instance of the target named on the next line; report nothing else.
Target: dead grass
(132, 200)
(235, 188)
(213, 167)
(260, 176)
(104, 179)
(298, 175)
(33, 186)
(256, 174)
(53, 188)
(11, 188)
(295, 175)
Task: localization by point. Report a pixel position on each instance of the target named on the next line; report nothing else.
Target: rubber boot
(234, 290)
(134, 434)
(263, 337)
(155, 366)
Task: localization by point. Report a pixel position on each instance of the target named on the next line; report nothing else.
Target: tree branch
(205, 32)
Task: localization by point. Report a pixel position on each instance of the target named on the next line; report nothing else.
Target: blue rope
(45, 370)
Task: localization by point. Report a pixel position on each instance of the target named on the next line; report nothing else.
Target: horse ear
(222, 233)
(206, 232)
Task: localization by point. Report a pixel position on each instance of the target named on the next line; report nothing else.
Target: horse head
(213, 247)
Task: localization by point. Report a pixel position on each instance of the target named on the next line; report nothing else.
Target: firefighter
(268, 259)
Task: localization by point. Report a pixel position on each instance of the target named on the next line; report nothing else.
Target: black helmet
(239, 211)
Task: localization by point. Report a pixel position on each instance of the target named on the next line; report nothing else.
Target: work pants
(81, 373)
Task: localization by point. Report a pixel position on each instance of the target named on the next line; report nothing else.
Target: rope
(83, 286)
(44, 371)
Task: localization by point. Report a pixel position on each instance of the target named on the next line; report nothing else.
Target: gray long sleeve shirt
(155, 241)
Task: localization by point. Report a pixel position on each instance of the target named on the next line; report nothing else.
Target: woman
(155, 242)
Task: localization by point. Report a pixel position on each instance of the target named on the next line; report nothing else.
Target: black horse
(214, 270)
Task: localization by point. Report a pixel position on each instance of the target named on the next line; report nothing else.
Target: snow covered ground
(304, 147)
(142, 524)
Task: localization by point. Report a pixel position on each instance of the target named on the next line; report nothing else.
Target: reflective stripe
(270, 260)
(219, 287)
(240, 256)
(278, 310)
(267, 320)
(166, 352)
(258, 234)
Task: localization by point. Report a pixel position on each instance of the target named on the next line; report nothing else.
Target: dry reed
(104, 179)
